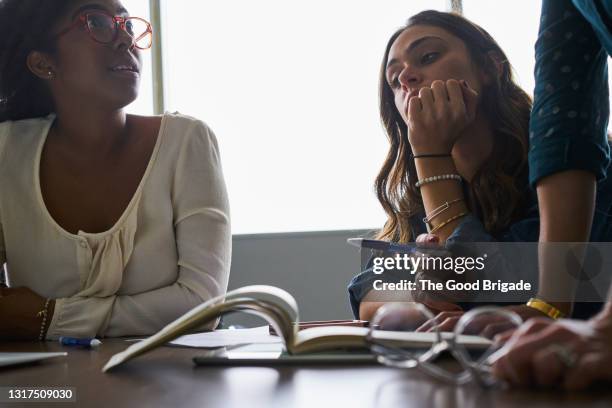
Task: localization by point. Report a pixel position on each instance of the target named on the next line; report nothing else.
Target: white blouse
(169, 251)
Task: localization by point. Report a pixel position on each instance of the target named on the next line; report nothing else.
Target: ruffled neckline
(122, 220)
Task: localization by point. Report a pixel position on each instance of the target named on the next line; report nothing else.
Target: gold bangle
(43, 313)
(451, 219)
(437, 211)
(546, 308)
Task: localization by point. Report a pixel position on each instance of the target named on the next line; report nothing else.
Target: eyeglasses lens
(103, 29)
(139, 30)
(393, 340)
(390, 338)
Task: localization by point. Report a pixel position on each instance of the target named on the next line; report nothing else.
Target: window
(514, 25)
(290, 89)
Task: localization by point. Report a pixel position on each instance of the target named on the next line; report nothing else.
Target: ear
(40, 65)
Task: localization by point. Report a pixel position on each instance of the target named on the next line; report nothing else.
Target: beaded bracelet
(451, 219)
(43, 313)
(441, 177)
(438, 211)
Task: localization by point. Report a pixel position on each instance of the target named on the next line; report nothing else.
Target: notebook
(8, 359)
(280, 309)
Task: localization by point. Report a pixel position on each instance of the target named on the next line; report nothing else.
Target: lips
(129, 67)
(124, 68)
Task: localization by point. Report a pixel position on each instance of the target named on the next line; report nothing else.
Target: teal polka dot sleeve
(571, 109)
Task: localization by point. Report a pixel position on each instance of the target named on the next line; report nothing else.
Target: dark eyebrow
(86, 7)
(411, 47)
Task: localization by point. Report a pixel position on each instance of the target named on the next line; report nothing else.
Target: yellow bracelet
(451, 219)
(43, 313)
(434, 213)
(546, 308)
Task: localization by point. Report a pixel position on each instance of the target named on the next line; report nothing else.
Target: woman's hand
(449, 313)
(568, 352)
(493, 327)
(438, 300)
(19, 314)
(438, 115)
(436, 303)
(501, 334)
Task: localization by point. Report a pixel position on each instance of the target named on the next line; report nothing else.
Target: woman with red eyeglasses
(110, 224)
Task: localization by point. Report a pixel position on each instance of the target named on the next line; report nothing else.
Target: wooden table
(166, 377)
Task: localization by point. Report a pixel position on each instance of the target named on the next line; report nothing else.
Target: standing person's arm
(567, 203)
(569, 150)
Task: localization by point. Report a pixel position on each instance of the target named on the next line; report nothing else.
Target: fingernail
(432, 239)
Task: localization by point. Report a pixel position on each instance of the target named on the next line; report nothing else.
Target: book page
(228, 337)
(275, 305)
(327, 338)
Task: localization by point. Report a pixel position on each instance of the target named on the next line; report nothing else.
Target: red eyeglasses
(103, 28)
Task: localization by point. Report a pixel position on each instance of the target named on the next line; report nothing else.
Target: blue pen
(71, 341)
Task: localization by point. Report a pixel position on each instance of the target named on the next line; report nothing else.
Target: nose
(409, 78)
(124, 40)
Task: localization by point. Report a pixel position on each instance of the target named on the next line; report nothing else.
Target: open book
(280, 310)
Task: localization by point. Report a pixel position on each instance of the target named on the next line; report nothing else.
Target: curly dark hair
(25, 26)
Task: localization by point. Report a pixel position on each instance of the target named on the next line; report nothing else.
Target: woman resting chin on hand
(456, 170)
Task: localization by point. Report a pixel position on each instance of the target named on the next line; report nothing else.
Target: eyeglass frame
(118, 20)
(473, 370)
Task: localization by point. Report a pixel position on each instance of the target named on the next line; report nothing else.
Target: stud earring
(51, 74)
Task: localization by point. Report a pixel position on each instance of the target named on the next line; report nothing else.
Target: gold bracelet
(43, 313)
(451, 219)
(546, 308)
(438, 211)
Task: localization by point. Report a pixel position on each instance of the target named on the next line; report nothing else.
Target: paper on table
(227, 337)
(267, 350)
(7, 359)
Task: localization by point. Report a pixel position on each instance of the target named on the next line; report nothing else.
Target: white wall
(315, 267)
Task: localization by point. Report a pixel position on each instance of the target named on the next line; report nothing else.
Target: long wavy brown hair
(497, 193)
